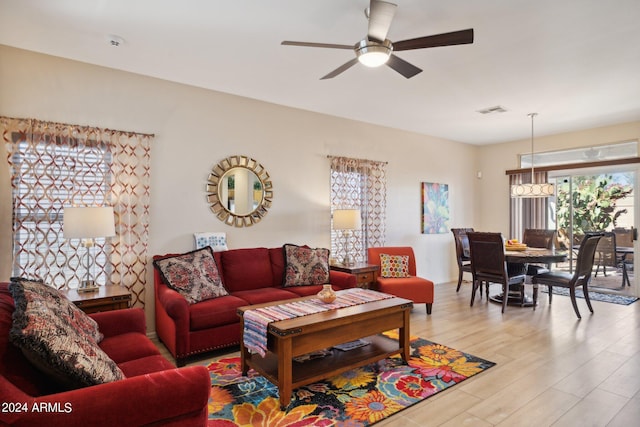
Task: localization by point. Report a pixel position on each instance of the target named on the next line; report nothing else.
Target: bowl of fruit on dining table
(515, 245)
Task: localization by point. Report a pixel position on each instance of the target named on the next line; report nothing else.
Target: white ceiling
(575, 62)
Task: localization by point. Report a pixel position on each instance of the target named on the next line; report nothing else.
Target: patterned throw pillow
(58, 338)
(194, 275)
(217, 241)
(305, 266)
(394, 265)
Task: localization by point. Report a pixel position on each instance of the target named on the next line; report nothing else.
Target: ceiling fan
(375, 49)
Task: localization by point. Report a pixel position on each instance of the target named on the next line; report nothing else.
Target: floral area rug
(360, 397)
(594, 296)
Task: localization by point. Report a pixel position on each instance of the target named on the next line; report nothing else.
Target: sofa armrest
(342, 280)
(118, 322)
(173, 303)
(174, 395)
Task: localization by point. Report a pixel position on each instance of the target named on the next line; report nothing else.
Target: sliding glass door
(599, 200)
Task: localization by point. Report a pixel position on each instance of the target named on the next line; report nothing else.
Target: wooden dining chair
(488, 265)
(624, 251)
(539, 238)
(606, 253)
(462, 252)
(581, 275)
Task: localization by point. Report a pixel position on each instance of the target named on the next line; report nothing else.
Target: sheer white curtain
(359, 184)
(53, 165)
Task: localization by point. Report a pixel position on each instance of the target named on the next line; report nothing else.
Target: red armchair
(415, 288)
(154, 392)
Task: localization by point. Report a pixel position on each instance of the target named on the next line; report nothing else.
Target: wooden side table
(106, 298)
(366, 274)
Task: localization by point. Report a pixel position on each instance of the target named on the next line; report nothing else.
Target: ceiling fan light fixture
(373, 54)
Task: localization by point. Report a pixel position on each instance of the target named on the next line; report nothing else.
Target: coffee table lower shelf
(339, 361)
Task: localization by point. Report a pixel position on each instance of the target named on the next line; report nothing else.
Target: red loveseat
(154, 392)
(251, 276)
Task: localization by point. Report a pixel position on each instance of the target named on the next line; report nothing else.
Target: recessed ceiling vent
(492, 110)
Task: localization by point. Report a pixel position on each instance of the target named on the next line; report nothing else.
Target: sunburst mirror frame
(213, 191)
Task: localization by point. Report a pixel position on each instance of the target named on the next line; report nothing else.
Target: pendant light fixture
(543, 189)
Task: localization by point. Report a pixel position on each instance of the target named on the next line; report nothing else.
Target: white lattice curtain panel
(358, 184)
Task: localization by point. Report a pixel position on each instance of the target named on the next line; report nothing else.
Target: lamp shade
(88, 222)
(532, 190)
(346, 219)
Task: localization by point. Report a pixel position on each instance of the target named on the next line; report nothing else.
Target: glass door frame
(635, 168)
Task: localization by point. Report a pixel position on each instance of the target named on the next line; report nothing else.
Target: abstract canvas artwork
(435, 208)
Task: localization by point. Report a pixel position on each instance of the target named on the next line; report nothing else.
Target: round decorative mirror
(239, 191)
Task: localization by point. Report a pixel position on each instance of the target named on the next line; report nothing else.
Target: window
(358, 184)
(49, 175)
(53, 165)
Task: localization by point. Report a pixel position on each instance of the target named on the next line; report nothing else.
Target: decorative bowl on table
(514, 245)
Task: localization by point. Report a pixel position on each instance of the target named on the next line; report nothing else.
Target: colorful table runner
(257, 320)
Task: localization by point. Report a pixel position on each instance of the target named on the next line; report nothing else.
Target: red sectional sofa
(154, 392)
(251, 276)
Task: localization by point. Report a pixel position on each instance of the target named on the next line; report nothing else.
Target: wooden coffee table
(294, 337)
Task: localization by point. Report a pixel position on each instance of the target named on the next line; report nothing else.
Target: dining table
(526, 256)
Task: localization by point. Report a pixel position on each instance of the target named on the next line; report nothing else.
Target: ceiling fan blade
(445, 39)
(381, 14)
(341, 69)
(326, 45)
(403, 67)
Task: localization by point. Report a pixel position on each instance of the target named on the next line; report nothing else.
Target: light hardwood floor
(552, 369)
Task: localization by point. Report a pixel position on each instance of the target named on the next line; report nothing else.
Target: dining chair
(539, 238)
(488, 265)
(581, 275)
(611, 253)
(462, 252)
(624, 250)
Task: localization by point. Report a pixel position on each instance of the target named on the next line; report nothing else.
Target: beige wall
(195, 128)
(495, 159)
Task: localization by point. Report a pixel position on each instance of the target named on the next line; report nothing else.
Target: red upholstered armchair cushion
(154, 393)
(417, 289)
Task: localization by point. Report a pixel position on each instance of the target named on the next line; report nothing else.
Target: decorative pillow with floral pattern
(58, 338)
(305, 266)
(194, 275)
(394, 266)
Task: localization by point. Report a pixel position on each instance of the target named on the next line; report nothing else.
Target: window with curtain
(53, 165)
(358, 184)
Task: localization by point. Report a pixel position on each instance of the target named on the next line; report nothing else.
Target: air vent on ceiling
(491, 110)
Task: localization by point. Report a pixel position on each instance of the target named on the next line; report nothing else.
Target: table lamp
(88, 223)
(347, 220)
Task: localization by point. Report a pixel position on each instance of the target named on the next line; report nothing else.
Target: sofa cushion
(309, 290)
(50, 298)
(305, 266)
(13, 365)
(259, 296)
(128, 346)
(246, 269)
(55, 341)
(145, 365)
(394, 266)
(217, 241)
(194, 275)
(215, 312)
